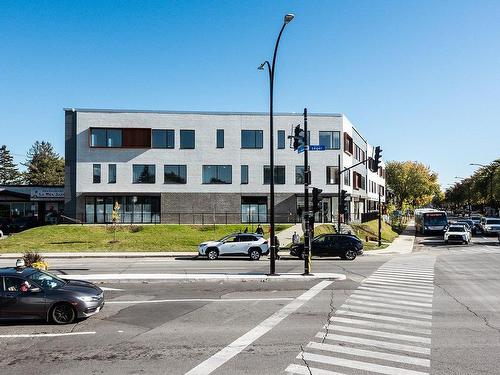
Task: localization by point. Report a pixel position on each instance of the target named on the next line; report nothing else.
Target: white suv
(490, 225)
(457, 232)
(248, 244)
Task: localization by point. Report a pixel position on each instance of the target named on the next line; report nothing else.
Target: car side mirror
(35, 290)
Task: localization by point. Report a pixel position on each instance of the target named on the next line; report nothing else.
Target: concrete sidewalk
(403, 244)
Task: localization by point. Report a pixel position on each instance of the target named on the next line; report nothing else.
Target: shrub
(31, 257)
(135, 228)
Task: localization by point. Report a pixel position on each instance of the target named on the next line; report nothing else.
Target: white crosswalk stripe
(384, 327)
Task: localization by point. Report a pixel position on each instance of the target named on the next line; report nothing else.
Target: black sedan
(28, 293)
(345, 246)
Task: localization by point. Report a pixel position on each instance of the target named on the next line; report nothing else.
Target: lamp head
(289, 17)
(261, 66)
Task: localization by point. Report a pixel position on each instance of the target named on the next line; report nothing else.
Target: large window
(175, 174)
(187, 139)
(217, 174)
(279, 174)
(347, 178)
(96, 172)
(120, 137)
(144, 173)
(299, 174)
(331, 140)
(134, 209)
(244, 174)
(220, 138)
(332, 175)
(111, 173)
(251, 139)
(163, 138)
(281, 139)
(348, 144)
(102, 137)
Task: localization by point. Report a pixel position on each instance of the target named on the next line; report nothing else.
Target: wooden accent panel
(136, 137)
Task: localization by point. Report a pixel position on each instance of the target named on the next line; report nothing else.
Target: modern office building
(205, 167)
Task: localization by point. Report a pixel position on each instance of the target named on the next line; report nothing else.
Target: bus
(429, 220)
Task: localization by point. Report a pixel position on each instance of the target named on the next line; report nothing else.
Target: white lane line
(407, 276)
(387, 335)
(369, 323)
(365, 366)
(352, 300)
(106, 288)
(388, 295)
(408, 270)
(402, 280)
(397, 283)
(389, 311)
(385, 318)
(393, 291)
(392, 287)
(31, 335)
(376, 343)
(371, 354)
(391, 300)
(303, 370)
(200, 300)
(233, 349)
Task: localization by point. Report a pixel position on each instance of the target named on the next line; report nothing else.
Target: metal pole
(338, 208)
(307, 234)
(379, 218)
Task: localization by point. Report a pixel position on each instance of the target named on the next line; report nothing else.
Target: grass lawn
(161, 237)
(370, 229)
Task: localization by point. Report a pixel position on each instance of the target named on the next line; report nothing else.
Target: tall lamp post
(271, 69)
(491, 172)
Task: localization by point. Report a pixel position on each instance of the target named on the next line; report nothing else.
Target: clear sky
(420, 78)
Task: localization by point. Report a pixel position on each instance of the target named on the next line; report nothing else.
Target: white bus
(430, 220)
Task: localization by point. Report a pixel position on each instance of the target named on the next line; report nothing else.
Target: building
(205, 167)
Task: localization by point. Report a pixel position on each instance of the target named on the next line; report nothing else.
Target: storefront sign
(47, 194)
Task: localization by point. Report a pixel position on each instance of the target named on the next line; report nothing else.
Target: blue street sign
(300, 149)
(317, 148)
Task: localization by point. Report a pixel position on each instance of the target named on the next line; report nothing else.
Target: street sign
(317, 148)
(301, 149)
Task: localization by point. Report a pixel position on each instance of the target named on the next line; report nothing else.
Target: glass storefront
(254, 209)
(133, 209)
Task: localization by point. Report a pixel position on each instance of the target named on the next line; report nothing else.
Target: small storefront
(131, 209)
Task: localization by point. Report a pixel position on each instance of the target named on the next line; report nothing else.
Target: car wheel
(63, 313)
(212, 254)
(350, 255)
(254, 254)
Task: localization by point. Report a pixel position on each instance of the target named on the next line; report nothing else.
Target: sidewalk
(114, 254)
(403, 244)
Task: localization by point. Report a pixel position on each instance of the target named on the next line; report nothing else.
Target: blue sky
(420, 78)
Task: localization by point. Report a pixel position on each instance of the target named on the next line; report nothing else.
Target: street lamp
(491, 172)
(271, 69)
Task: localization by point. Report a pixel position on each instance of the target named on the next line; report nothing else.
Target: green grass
(89, 238)
(370, 229)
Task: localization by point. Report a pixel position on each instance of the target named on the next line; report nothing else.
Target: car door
(22, 304)
(229, 246)
(246, 241)
(318, 246)
(333, 245)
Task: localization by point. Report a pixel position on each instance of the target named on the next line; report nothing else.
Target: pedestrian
(295, 238)
(246, 230)
(276, 247)
(259, 230)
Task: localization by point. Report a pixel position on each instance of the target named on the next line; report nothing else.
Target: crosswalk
(474, 250)
(384, 327)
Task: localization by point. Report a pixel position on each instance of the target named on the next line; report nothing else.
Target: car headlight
(88, 298)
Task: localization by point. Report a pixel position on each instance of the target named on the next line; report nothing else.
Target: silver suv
(247, 244)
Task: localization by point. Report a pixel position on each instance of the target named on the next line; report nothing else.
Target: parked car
(246, 244)
(28, 293)
(490, 225)
(22, 223)
(4, 226)
(457, 233)
(470, 225)
(345, 246)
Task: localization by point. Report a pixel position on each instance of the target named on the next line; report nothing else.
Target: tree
(9, 172)
(412, 183)
(44, 165)
(115, 218)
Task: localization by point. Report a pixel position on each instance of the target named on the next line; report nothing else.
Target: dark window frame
(281, 141)
(216, 180)
(244, 181)
(181, 172)
(187, 131)
(276, 175)
(258, 142)
(336, 177)
(96, 178)
(144, 165)
(110, 167)
(166, 133)
(219, 138)
(332, 138)
(297, 174)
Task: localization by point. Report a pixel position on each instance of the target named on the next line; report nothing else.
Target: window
(279, 174)
(163, 138)
(281, 139)
(220, 138)
(251, 139)
(174, 174)
(348, 144)
(115, 137)
(347, 178)
(299, 174)
(187, 139)
(217, 174)
(331, 140)
(97, 137)
(143, 173)
(96, 179)
(112, 173)
(13, 284)
(244, 174)
(332, 175)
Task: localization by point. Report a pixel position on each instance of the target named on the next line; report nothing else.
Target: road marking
(405, 275)
(201, 276)
(31, 335)
(371, 367)
(384, 317)
(402, 280)
(392, 300)
(388, 295)
(389, 326)
(393, 291)
(392, 287)
(387, 335)
(233, 349)
(200, 300)
(353, 299)
(106, 288)
(387, 311)
(376, 343)
(397, 282)
(303, 370)
(371, 354)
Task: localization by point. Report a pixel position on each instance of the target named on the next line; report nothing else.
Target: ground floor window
(254, 209)
(133, 209)
(323, 216)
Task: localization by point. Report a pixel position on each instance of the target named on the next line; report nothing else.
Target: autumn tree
(43, 165)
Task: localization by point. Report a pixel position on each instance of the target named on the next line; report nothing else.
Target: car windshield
(456, 229)
(493, 221)
(46, 280)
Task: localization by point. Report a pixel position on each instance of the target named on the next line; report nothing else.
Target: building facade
(205, 167)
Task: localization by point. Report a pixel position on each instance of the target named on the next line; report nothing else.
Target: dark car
(470, 224)
(22, 223)
(345, 246)
(5, 225)
(28, 293)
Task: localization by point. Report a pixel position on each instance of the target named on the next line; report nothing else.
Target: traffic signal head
(316, 201)
(376, 160)
(298, 137)
(343, 209)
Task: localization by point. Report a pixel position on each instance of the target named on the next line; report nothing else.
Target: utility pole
(339, 202)
(379, 218)
(307, 181)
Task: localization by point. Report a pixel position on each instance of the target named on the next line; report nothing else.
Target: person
(25, 286)
(295, 238)
(276, 247)
(259, 230)
(246, 230)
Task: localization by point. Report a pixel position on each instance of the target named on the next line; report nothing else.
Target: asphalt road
(433, 311)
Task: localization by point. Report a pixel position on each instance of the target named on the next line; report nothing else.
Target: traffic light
(376, 161)
(298, 137)
(316, 203)
(343, 209)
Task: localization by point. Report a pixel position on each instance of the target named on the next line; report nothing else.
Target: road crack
(329, 317)
(304, 360)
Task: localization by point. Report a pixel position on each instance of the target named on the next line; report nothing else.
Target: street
(432, 311)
